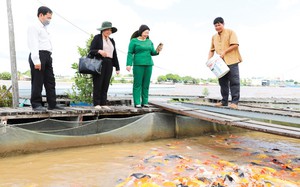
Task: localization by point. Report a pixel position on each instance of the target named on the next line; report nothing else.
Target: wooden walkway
(251, 110)
(226, 119)
(74, 113)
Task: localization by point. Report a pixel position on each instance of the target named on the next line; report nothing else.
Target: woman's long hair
(136, 34)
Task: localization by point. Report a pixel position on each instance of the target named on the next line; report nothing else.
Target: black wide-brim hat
(107, 25)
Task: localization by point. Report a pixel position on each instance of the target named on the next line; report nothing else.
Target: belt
(44, 51)
(107, 58)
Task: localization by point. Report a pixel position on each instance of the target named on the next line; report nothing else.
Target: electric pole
(13, 61)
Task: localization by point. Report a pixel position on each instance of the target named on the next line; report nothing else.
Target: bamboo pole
(13, 63)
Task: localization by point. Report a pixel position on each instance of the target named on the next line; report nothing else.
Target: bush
(205, 92)
(82, 89)
(5, 97)
(5, 76)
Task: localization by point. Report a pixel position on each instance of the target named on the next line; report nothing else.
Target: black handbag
(89, 65)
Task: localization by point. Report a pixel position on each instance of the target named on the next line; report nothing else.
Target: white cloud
(269, 48)
(185, 50)
(156, 4)
(65, 36)
(286, 4)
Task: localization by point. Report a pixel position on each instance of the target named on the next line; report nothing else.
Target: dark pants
(101, 83)
(230, 82)
(45, 77)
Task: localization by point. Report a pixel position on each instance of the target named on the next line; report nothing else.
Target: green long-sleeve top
(140, 52)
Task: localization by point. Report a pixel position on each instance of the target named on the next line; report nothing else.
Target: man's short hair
(219, 20)
(44, 10)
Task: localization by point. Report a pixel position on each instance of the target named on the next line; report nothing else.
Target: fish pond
(227, 159)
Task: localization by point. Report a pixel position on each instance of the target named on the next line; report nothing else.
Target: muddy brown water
(109, 165)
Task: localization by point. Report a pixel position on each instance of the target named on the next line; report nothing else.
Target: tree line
(7, 76)
(174, 78)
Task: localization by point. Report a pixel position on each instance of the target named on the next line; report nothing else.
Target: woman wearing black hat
(103, 47)
(140, 52)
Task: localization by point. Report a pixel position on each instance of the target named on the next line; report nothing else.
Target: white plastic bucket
(217, 65)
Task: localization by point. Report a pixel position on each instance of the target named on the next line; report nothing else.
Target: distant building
(256, 81)
(25, 78)
(265, 82)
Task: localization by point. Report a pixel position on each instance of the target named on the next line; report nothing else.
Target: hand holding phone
(159, 47)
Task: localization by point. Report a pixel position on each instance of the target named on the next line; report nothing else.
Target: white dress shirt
(38, 39)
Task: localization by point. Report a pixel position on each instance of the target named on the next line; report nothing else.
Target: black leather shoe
(56, 108)
(39, 108)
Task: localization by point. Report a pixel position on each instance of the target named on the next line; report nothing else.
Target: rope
(74, 25)
(170, 71)
(59, 15)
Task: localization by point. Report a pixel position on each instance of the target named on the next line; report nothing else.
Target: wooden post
(13, 61)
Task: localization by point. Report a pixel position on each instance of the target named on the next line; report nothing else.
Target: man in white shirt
(40, 61)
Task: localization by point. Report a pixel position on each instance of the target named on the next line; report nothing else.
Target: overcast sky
(267, 31)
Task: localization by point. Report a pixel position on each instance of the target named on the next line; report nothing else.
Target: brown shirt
(222, 41)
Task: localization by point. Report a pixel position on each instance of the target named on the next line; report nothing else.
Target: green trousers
(141, 83)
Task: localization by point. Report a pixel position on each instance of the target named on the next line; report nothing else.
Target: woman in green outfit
(140, 52)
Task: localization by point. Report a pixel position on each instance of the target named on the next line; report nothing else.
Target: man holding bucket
(225, 44)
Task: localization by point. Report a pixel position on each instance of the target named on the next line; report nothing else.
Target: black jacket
(97, 44)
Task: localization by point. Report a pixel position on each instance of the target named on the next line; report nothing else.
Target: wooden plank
(27, 112)
(258, 109)
(275, 125)
(292, 117)
(232, 121)
(252, 121)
